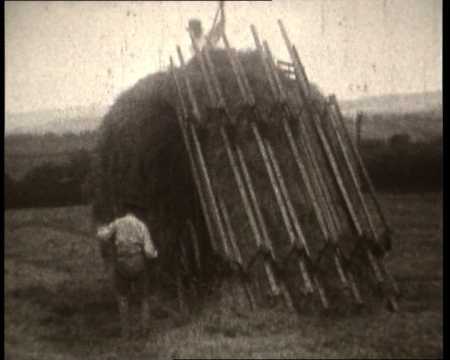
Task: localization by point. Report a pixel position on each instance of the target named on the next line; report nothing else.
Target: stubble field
(59, 303)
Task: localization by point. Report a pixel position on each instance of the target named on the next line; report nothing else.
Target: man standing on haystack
(214, 35)
(132, 245)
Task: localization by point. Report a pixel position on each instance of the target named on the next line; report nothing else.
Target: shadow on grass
(84, 317)
(84, 320)
(74, 315)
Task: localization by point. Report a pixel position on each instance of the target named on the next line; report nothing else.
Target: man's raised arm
(216, 32)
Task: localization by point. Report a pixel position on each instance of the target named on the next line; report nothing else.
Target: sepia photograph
(223, 179)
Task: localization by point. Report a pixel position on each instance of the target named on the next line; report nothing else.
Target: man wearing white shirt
(132, 246)
(214, 35)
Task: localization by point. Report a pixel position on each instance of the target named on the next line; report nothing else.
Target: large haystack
(141, 150)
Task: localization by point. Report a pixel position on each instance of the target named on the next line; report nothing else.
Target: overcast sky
(62, 54)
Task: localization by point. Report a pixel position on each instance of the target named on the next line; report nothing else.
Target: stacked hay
(141, 150)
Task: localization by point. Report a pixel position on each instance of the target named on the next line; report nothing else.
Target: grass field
(59, 304)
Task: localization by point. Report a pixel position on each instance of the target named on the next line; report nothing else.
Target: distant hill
(79, 119)
(59, 121)
(418, 115)
(26, 151)
(419, 126)
(395, 103)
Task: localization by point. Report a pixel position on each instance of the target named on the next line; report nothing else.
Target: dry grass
(58, 303)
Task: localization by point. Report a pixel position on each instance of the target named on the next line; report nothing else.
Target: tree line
(52, 184)
(401, 165)
(396, 165)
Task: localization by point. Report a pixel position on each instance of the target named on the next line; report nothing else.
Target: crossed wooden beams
(330, 173)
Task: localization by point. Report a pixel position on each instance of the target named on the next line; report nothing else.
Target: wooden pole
(324, 211)
(216, 100)
(305, 174)
(197, 169)
(268, 159)
(304, 85)
(359, 121)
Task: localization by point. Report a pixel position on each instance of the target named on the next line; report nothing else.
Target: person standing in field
(129, 244)
(214, 35)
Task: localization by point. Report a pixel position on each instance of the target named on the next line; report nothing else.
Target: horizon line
(104, 105)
